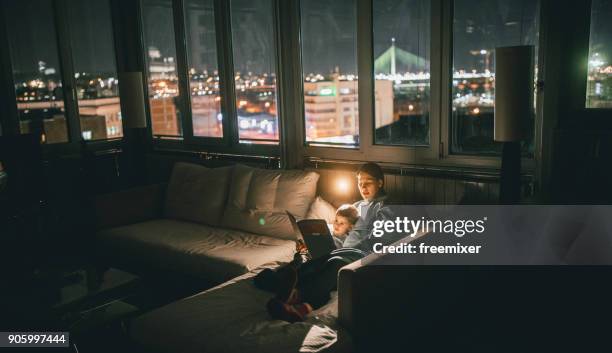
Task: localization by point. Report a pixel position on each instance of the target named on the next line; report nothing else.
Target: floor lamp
(513, 106)
(132, 100)
(134, 117)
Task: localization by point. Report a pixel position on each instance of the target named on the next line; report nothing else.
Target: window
(599, 81)
(402, 71)
(203, 70)
(479, 27)
(329, 59)
(254, 54)
(405, 110)
(158, 27)
(36, 69)
(95, 70)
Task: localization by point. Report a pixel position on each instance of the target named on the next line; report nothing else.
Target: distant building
(599, 88)
(164, 118)
(206, 110)
(160, 67)
(51, 129)
(332, 108)
(99, 118)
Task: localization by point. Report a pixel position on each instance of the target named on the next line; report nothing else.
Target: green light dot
(262, 221)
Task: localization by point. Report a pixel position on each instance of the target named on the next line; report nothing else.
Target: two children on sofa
(302, 287)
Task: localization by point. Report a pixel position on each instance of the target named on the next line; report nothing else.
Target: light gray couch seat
(232, 318)
(195, 249)
(212, 224)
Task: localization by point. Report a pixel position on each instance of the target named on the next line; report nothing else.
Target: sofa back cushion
(197, 194)
(321, 209)
(258, 199)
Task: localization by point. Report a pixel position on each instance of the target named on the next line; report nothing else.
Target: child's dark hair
(349, 212)
(373, 170)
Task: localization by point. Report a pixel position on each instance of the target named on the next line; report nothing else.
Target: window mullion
(401, 153)
(290, 83)
(178, 11)
(226, 70)
(441, 73)
(67, 70)
(144, 65)
(365, 69)
(9, 117)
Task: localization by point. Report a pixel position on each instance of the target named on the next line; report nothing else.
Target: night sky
(487, 24)
(33, 36)
(328, 36)
(328, 32)
(31, 33)
(601, 27)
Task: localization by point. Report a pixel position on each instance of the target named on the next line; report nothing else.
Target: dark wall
(403, 187)
(582, 167)
(576, 142)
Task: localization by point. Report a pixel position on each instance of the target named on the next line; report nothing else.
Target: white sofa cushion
(321, 209)
(196, 193)
(258, 200)
(212, 253)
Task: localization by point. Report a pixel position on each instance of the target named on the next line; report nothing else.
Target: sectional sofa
(232, 317)
(211, 224)
(221, 226)
(376, 308)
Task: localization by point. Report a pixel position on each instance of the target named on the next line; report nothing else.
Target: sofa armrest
(346, 281)
(350, 290)
(129, 206)
(357, 284)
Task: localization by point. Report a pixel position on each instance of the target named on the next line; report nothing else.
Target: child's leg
(271, 280)
(316, 287)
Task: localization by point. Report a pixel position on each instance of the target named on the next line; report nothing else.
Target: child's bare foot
(288, 312)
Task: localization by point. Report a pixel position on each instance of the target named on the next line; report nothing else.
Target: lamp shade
(513, 92)
(132, 100)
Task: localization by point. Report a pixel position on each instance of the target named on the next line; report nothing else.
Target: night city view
(329, 58)
(39, 86)
(599, 82)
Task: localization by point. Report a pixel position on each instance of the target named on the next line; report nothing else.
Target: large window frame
(60, 16)
(438, 152)
(554, 108)
(485, 161)
(230, 142)
(367, 149)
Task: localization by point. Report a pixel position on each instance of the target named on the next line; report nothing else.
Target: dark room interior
(232, 175)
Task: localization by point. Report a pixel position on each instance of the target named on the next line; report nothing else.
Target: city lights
(401, 96)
